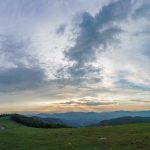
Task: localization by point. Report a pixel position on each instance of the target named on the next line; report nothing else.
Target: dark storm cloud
(96, 33)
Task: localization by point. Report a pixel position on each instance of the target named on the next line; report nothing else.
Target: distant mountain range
(80, 119)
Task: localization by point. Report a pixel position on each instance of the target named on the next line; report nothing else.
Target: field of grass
(126, 137)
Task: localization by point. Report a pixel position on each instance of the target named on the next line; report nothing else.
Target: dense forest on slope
(124, 120)
(34, 122)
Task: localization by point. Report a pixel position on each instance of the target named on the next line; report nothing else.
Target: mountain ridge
(87, 118)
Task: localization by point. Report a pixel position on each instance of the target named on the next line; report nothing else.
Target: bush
(4, 115)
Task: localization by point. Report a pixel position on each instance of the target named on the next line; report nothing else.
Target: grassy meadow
(14, 136)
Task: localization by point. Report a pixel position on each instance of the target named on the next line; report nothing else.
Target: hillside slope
(124, 120)
(36, 122)
(125, 137)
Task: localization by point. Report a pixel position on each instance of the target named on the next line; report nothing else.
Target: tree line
(34, 122)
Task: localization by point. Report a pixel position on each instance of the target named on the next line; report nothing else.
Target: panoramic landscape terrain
(74, 75)
(16, 136)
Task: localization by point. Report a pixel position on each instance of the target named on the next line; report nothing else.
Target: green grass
(125, 137)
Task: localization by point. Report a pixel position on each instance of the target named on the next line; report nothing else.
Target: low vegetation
(122, 137)
(4, 115)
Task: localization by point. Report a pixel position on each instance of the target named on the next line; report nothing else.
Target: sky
(82, 55)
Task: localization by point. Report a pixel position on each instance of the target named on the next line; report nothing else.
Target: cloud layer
(64, 51)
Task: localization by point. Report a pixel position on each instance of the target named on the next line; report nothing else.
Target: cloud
(95, 34)
(14, 51)
(126, 63)
(58, 51)
(19, 70)
(143, 10)
(61, 29)
(21, 79)
(141, 101)
(131, 85)
(85, 102)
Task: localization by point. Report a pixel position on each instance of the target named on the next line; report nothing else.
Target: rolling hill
(14, 136)
(34, 122)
